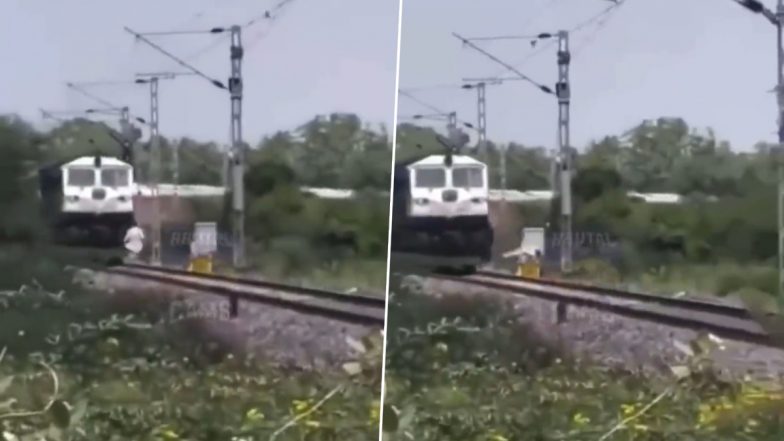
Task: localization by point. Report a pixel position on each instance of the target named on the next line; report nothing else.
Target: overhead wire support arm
(162, 75)
(190, 32)
(757, 7)
(491, 81)
(511, 68)
(536, 37)
(176, 59)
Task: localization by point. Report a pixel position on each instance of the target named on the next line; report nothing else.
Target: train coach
(440, 212)
(88, 200)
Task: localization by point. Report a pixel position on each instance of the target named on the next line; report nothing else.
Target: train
(87, 200)
(440, 215)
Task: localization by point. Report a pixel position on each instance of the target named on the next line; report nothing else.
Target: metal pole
(125, 117)
(481, 110)
(154, 167)
(564, 94)
(780, 102)
(176, 163)
(226, 167)
(451, 124)
(502, 164)
(126, 128)
(238, 157)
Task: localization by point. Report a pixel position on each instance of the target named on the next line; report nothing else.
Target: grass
(460, 368)
(130, 377)
(722, 279)
(342, 274)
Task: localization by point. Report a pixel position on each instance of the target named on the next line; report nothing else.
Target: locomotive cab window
(430, 178)
(81, 177)
(114, 177)
(467, 177)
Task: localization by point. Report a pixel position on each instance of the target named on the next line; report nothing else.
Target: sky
(710, 62)
(317, 57)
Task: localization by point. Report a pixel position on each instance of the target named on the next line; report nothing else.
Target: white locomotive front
(97, 186)
(90, 197)
(441, 211)
(444, 191)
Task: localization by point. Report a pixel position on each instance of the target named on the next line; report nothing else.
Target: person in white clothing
(134, 241)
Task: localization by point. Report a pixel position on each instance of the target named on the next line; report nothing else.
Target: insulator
(237, 52)
(564, 57)
(562, 89)
(235, 86)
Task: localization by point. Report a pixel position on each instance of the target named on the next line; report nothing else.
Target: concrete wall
(177, 218)
(507, 223)
(173, 210)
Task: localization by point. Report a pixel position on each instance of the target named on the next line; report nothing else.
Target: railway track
(352, 308)
(722, 320)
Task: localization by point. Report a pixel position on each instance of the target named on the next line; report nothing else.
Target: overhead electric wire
(272, 16)
(269, 14)
(440, 114)
(576, 28)
(602, 17)
(97, 99)
(112, 106)
(582, 25)
(422, 103)
(219, 39)
(601, 23)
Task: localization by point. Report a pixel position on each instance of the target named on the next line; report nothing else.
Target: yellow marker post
(529, 267)
(201, 264)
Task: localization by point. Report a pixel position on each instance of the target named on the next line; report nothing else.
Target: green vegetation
(293, 234)
(727, 220)
(466, 368)
(77, 365)
(69, 370)
(334, 242)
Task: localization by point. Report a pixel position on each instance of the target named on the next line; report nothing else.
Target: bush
(92, 376)
(448, 379)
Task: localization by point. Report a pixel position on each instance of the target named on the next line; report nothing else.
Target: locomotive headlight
(73, 198)
(122, 198)
(477, 200)
(421, 201)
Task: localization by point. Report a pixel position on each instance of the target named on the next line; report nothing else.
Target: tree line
(338, 150)
(729, 208)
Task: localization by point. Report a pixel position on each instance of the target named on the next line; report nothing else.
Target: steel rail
(358, 299)
(690, 304)
(641, 311)
(320, 302)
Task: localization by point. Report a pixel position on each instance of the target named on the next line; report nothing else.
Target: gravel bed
(619, 341)
(274, 334)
